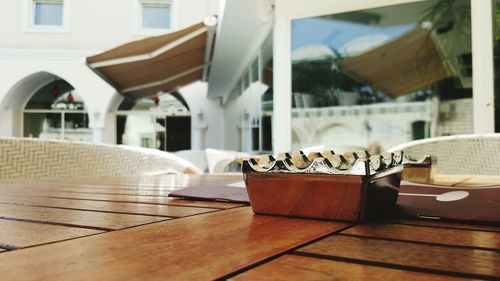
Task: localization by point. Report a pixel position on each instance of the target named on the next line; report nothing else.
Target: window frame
(29, 17)
(62, 112)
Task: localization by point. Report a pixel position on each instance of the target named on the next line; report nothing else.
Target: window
(154, 16)
(361, 60)
(48, 12)
(45, 15)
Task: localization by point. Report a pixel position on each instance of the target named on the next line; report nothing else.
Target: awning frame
(208, 29)
(150, 55)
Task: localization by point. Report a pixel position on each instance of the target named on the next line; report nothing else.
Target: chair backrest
(461, 154)
(197, 157)
(37, 158)
(219, 159)
(338, 149)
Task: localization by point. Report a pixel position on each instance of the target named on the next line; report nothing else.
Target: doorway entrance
(163, 123)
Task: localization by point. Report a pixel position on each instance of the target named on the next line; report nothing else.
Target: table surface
(128, 229)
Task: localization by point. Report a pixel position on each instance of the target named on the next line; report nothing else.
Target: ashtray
(349, 187)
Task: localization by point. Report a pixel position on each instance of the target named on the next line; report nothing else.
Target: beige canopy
(401, 66)
(163, 63)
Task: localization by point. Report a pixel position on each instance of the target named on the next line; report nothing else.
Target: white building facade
(285, 74)
(447, 88)
(44, 47)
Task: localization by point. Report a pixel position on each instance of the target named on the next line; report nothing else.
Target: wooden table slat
(221, 242)
(125, 198)
(199, 247)
(294, 267)
(466, 180)
(149, 183)
(443, 224)
(453, 237)
(89, 219)
(130, 208)
(476, 263)
(89, 189)
(19, 234)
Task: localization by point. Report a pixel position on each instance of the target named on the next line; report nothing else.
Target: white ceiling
(241, 31)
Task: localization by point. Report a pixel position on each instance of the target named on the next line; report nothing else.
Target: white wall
(211, 126)
(237, 133)
(95, 93)
(93, 24)
(101, 100)
(241, 34)
(192, 11)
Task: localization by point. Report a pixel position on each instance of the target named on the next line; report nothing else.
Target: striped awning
(164, 63)
(401, 66)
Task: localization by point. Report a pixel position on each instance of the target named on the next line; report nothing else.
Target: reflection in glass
(383, 76)
(266, 73)
(52, 114)
(245, 81)
(496, 57)
(255, 70)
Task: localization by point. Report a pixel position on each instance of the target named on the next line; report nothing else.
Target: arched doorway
(55, 111)
(163, 122)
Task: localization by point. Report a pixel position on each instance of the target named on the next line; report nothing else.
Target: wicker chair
(459, 155)
(197, 157)
(221, 161)
(37, 158)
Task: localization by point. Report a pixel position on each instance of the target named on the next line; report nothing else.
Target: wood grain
(476, 263)
(19, 234)
(442, 224)
(465, 180)
(75, 218)
(293, 267)
(125, 198)
(302, 196)
(146, 186)
(469, 238)
(416, 173)
(153, 182)
(116, 207)
(199, 247)
(88, 189)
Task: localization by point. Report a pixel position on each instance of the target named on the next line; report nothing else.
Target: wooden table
(127, 229)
